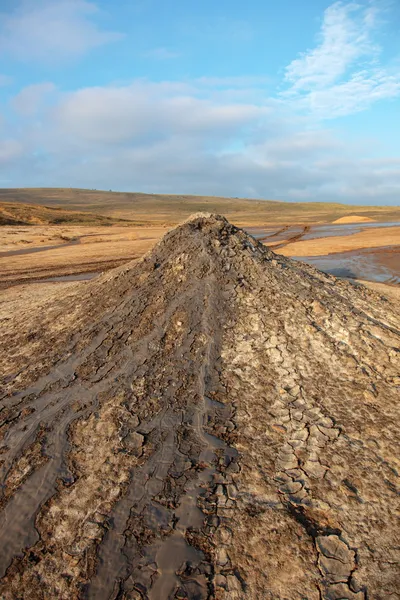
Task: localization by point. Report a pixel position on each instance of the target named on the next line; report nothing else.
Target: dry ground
(33, 253)
(354, 219)
(390, 291)
(78, 242)
(24, 255)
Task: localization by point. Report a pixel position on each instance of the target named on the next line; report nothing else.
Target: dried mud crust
(214, 421)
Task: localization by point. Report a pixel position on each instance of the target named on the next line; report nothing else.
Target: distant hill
(172, 209)
(16, 213)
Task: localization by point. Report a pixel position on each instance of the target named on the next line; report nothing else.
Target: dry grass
(16, 213)
(172, 209)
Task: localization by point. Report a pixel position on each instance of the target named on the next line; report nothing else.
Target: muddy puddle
(381, 265)
(174, 553)
(322, 231)
(313, 232)
(261, 232)
(276, 234)
(169, 565)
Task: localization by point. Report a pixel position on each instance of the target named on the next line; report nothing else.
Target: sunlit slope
(18, 213)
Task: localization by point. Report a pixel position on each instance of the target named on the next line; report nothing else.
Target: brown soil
(213, 421)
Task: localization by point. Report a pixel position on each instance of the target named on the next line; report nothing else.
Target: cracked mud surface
(214, 421)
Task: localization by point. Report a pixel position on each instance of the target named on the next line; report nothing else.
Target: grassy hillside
(171, 209)
(16, 213)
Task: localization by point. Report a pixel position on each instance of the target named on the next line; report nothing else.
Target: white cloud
(49, 30)
(342, 75)
(30, 99)
(345, 38)
(356, 94)
(147, 111)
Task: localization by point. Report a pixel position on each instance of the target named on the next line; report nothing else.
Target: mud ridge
(214, 421)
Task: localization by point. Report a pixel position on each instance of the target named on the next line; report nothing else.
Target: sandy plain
(36, 253)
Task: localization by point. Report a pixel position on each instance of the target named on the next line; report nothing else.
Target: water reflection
(372, 264)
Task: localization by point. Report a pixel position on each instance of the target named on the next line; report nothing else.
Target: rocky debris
(214, 421)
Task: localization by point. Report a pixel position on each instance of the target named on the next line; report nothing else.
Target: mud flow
(75, 277)
(381, 265)
(213, 421)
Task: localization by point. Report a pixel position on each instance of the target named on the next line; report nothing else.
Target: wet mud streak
(278, 233)
(294, 238)
(183, 568)
(175, 552)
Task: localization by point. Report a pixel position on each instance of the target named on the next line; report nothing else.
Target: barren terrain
(61, 233)
(213, 421)
(42, 252)
(36, 253)
(170, 209)
(17, 213)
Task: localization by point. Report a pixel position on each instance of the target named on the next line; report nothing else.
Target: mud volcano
(213, 421)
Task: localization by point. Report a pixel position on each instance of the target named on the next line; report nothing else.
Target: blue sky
(287, 100)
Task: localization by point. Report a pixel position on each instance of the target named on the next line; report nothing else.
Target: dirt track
(213, 421)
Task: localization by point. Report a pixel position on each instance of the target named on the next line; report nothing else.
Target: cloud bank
(207, 135)
(47, 30)
(172, 137)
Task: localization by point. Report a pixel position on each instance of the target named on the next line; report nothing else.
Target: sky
(288, 100)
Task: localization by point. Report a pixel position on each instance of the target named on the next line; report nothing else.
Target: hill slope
(214, 421)
(16, 213)
(172, 209)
